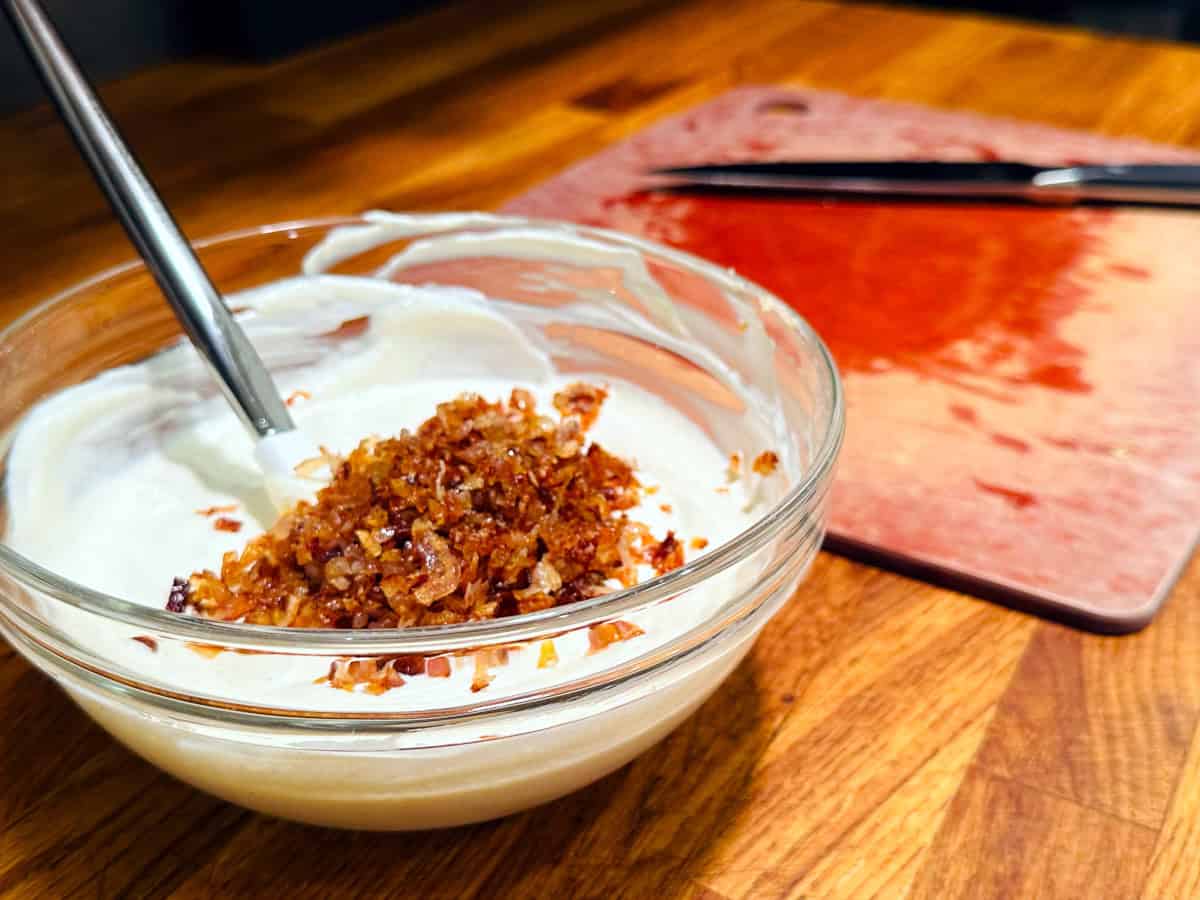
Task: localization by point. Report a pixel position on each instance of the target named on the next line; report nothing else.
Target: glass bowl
(731, 357)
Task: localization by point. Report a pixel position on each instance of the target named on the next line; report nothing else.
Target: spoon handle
(247, 384)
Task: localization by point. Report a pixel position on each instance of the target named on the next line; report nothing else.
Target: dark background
(1165, 19)
(115, 37)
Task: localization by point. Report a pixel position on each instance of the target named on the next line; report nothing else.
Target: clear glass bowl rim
(344, 642)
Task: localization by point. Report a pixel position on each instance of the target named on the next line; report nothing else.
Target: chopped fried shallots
(583, 401)
(213, 510)
(547, 655)
(668, 555)
(178, 598)
(486, 510)
(378, 675)
(484, 660)
(208, 651)
(600, 636)
(351, 328)
(766, 462)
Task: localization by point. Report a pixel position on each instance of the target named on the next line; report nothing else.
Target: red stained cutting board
(1022, 383)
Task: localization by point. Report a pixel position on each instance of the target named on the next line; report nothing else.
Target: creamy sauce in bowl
(110, 480)
(115, 484)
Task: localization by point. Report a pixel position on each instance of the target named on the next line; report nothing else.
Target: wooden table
(885, 739)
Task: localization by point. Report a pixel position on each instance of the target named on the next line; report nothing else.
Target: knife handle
(1153, 177)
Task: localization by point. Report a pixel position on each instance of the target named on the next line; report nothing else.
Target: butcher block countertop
(885, 738)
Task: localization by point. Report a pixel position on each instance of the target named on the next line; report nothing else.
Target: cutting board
(1022, 383)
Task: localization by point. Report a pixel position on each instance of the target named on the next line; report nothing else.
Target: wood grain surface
(885, 739)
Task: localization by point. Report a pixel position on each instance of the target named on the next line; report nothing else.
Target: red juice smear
(949, 291)
(1129, 270)
(1019, 499)
(1011, 443)
(964, 414)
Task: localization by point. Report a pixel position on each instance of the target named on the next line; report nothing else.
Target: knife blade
(1142, 183)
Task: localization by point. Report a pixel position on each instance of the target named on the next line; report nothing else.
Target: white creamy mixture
(107, 477)
(105, 480)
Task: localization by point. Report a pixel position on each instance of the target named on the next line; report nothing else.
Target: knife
(1166, 184)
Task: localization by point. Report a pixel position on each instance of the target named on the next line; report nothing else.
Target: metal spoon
(235, 364)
